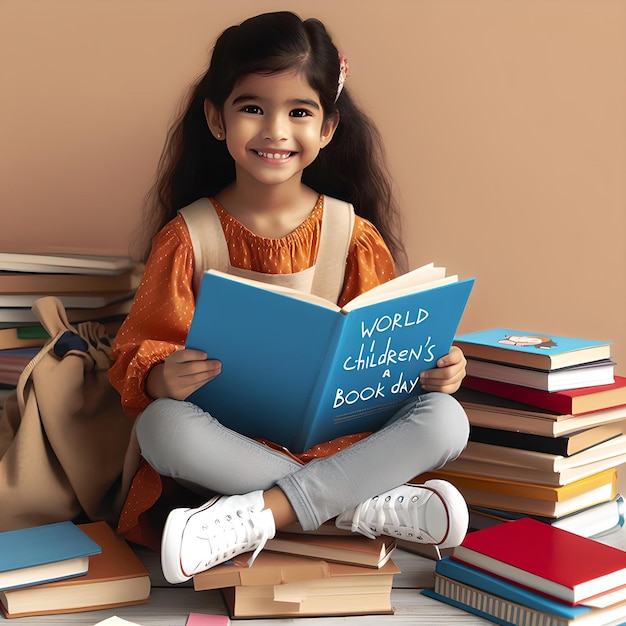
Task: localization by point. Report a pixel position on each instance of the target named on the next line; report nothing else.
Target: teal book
(486, 585)
(468, 608)
(500, 610)
(298, 370)
(39, 554)
(531, 349)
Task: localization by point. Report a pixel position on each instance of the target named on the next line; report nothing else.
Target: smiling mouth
(274, 155)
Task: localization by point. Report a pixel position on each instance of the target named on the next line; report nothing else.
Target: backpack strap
(335, 238)
(211, 250)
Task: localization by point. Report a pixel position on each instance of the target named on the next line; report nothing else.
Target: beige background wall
(505, 123)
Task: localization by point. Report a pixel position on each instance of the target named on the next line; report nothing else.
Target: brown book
(492, 461)
(269, 568)
(21, 315)
(70, 261)
(51, 284)
(281, 585)
(256, 602)
(10, 339)
(352, 549)
(116, 578)
(89, 300)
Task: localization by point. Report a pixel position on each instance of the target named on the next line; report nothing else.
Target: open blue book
(298, 370)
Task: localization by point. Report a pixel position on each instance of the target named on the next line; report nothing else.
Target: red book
(548, 560)
(568, 402)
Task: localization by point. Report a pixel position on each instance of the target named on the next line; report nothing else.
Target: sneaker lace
(231, 535)
(378, 516)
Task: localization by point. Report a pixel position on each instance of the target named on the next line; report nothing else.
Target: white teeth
(271, 155)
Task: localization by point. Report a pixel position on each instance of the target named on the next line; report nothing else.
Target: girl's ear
(328, 129)
(214, 120)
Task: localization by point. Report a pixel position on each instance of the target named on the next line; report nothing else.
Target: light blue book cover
(298, 373)
(529, 342)
(41, 545)
(497, 587)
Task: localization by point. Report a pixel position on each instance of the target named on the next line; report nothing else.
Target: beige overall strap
(335, 238)
(207, 237)
(211, 250)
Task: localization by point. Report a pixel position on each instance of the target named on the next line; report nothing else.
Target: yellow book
(523, 489)
(533, 499)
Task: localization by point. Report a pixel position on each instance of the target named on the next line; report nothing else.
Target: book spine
(430, 593)
(494, 606)
(305, 437)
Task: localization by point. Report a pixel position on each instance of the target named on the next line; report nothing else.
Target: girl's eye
(253, 109)
(299, 113)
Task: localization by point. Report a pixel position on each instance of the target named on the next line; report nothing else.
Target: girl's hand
(448, 374)
(183, 372)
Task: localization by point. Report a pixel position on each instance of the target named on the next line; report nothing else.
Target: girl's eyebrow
(246, 97)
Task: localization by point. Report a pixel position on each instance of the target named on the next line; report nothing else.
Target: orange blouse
(164, 304)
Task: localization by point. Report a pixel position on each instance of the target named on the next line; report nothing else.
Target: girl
(267, 131)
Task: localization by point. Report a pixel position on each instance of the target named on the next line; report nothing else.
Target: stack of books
(298, 575)
(91, 288)
(537, 447)
(527, 573)
(67, 568)
(12, 363)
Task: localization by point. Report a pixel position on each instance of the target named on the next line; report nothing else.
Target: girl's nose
(275, 128)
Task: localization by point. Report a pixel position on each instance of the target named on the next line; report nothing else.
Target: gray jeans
(180, 440)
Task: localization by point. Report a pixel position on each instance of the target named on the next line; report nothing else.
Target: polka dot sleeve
(159, 318)
(369, 262)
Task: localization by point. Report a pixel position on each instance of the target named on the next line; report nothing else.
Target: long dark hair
(352, 167)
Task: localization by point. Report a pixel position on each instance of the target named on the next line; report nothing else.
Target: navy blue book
(298, 370)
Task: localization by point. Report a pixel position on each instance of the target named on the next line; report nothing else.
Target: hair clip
(343, 72)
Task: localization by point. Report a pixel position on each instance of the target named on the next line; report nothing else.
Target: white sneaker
(195, 540)
(433, 513)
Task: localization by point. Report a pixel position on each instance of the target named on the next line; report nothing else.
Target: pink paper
(204, 619)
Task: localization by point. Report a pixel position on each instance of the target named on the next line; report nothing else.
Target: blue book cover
(531, 349)
(299, 372)
(26, 553)
(497, 587)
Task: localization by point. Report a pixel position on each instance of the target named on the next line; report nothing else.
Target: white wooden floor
(170, 605)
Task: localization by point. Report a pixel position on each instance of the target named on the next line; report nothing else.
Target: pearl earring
(219, 135)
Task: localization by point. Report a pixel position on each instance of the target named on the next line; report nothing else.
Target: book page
(421, 275)
(285, 291)
(388, 291)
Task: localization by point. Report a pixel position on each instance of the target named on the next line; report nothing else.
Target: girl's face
(274, 126)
